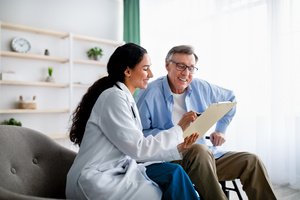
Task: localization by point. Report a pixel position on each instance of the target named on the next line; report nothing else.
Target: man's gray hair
(185, 49)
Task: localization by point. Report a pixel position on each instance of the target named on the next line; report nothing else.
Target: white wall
(99, 18)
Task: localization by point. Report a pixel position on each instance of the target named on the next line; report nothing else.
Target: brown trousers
(205, 172)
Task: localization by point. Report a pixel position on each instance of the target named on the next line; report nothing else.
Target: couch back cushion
(33, 164)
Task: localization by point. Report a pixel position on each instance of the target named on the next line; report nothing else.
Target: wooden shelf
(17, 27)
(78, 85)
(57, 136)
(90, 62)
(38, 84)
(97, 40)
(33, 111)
(33, 56)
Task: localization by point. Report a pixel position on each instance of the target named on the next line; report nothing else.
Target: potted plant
(12, 122)
(50, 73)
(95, 53)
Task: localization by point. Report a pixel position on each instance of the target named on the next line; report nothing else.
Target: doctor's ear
(127, 72)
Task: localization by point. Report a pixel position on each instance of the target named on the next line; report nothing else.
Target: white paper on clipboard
(208, 118)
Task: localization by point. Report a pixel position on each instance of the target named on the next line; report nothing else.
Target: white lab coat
(106, 167)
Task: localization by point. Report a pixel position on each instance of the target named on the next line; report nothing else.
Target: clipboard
(208, 118)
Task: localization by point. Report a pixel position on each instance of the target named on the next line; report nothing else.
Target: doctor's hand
(188, 142)
(187, 119)
(217, 138)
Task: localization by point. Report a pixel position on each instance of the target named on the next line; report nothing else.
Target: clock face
(21, 45)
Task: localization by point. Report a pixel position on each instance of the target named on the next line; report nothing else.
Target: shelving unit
(96, 40)
(90, 62)
(58, 98)
(80, 86)
(33, 111)
(30, 83)
(33, 57)
(85, 86)
(23, 28)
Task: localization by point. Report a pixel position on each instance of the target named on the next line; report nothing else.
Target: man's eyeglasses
(182, 67)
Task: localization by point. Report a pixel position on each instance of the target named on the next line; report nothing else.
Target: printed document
(208, 118)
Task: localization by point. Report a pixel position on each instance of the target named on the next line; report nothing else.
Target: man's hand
(186, 119)
(188, 142)
(217, 138)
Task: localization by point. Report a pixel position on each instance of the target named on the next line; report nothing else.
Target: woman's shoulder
(112, 93)
(110, 99)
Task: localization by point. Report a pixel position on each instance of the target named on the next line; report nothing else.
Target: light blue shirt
(155, 105)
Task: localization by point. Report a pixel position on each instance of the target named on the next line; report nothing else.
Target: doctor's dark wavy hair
(127, 55)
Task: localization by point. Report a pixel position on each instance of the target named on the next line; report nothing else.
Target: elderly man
(177, 98)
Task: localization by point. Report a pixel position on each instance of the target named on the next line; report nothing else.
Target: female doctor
(115, 160)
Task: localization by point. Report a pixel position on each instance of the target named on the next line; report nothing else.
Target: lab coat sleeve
(119, 125)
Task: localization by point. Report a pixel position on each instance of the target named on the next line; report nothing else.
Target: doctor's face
(139, 76)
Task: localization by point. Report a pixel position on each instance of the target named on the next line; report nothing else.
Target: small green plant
(95, 53)
(12, 121)
(50, 77)
(50, 71)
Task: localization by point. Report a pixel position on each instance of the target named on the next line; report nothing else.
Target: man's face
(180, 79)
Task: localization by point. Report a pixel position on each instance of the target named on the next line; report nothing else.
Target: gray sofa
(32, 165)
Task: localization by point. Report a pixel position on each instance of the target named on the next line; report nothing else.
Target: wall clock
(20, 44)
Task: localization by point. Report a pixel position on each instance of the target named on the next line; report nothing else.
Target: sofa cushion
(31, 163)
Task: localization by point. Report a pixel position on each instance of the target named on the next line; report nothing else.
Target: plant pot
(96, 57)
(50, 79)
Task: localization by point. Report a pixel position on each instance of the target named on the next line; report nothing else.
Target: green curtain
(132, 21)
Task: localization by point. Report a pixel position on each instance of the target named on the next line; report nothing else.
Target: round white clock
(21, 45)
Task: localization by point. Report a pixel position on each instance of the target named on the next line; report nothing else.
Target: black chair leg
(223, 185)
(227, 189)
(237, 190)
